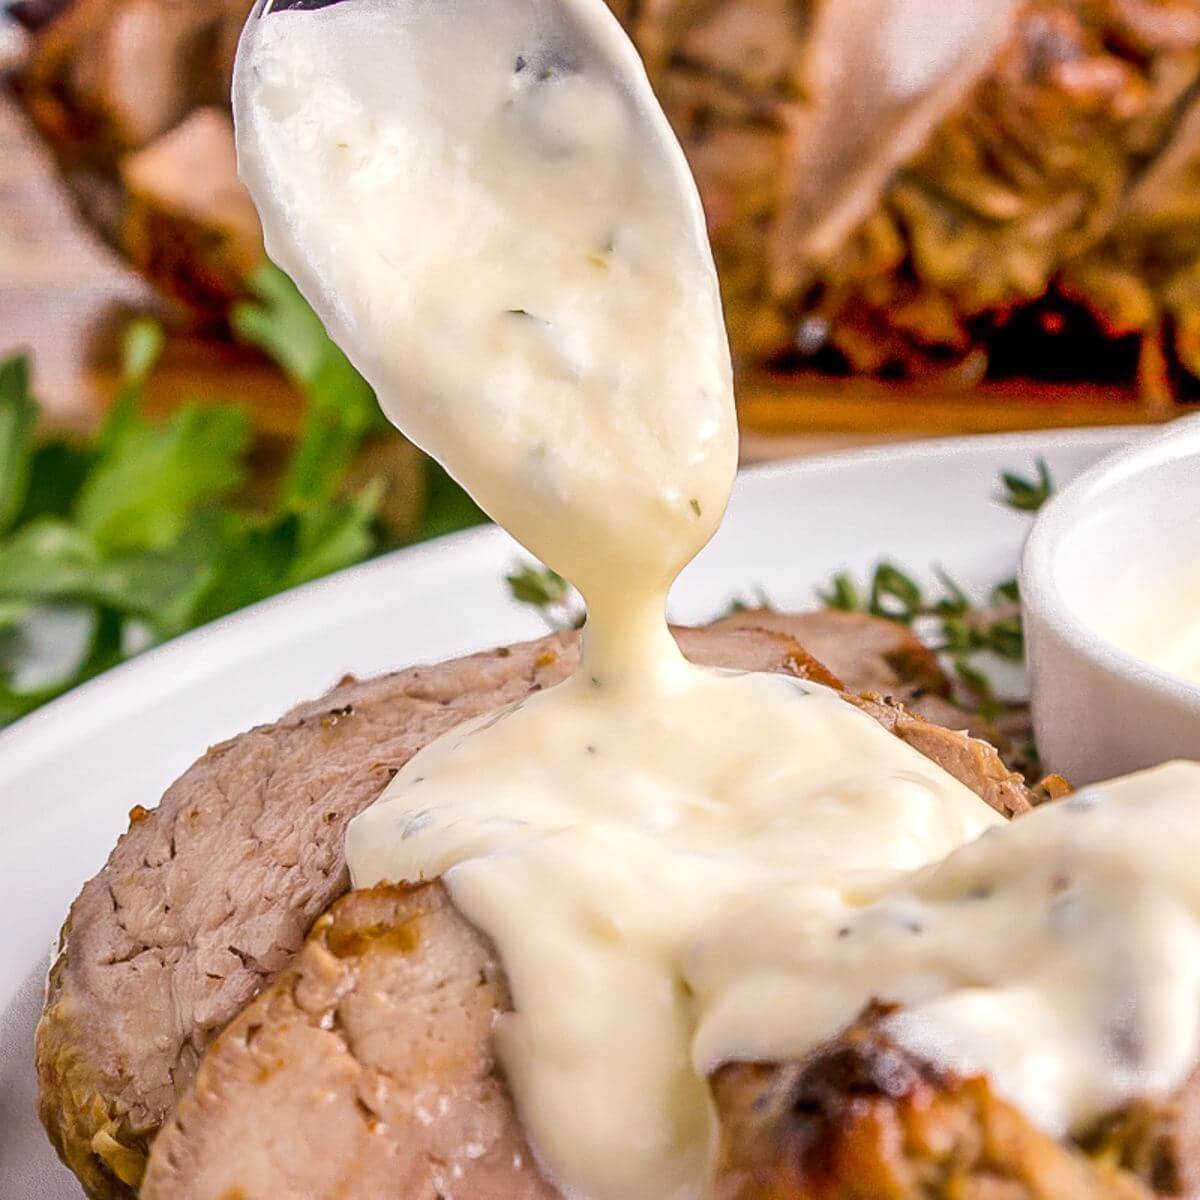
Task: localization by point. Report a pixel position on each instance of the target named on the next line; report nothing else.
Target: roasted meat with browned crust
(133, 98)
(1008, 189)
(891, 199)
(865, 1119)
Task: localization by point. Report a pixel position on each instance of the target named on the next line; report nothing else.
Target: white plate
(70, 773)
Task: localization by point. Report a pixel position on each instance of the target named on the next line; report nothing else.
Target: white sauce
(515, 258)
(678, 866)
(603, 837)
(1059, 953)
(1157, 619)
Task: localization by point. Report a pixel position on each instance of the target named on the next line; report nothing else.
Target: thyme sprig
(947, 620)
(962, 631)
(1027, 495)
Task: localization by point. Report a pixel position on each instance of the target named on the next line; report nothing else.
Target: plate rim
(22, 737)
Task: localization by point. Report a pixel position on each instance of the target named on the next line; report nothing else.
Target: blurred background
(929, 216)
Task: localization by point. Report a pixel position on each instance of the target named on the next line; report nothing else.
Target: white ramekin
(1101, 554)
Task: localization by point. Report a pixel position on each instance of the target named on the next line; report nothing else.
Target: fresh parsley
(146, 529)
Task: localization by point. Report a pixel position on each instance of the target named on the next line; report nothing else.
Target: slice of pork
(209, 896)
(366, 1073)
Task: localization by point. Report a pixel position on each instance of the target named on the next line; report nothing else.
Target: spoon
(485, 204)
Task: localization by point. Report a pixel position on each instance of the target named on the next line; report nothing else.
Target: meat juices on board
(678, 866)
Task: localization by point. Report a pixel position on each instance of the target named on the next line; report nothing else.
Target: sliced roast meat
(187, 219)
(887, 662)
(210, 895)
(972, 761)
(365, 1073)
(868, 654)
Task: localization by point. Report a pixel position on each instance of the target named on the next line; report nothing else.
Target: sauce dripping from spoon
(485, 204)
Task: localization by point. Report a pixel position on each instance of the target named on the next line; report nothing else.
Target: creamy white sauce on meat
(678, 866)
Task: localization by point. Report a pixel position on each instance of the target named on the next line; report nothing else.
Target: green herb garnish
(1027, 495)
(757, 601)
(964, 632)
(548, 592)
(142, 532)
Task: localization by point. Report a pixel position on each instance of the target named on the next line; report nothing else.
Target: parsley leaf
(341, 408)
(280, 323)
(151, 478)
(545, 589)
(57, 469)
(448, 508)
(53, 560)
(539, 586)
(144, 530)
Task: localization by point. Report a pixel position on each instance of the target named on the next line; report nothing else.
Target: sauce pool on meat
(678, 866)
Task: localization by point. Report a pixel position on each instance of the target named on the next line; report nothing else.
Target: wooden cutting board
(64, 296)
